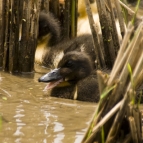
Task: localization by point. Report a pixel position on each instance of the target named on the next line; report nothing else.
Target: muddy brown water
(28, 116)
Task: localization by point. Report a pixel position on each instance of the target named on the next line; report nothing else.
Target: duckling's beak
(53, 78)
(54, 75)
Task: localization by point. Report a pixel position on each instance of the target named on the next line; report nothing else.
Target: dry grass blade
(137, 117)
(102, 81)
(121, 21)
(133, 130)
(126, 7)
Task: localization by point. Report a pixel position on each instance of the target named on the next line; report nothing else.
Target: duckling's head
(49, 29)
(73, 67)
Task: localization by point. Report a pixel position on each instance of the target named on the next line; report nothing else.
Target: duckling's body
(74, 78)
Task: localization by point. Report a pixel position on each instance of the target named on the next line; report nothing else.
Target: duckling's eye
(69, 64)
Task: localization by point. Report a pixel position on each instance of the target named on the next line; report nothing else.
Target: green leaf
(106, 91)
(103, 135)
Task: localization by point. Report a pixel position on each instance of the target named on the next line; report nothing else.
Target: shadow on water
(29, 117)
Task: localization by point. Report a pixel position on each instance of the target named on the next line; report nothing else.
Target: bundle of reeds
(118, 93)
(117, 117)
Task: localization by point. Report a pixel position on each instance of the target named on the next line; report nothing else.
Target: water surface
(28, 116)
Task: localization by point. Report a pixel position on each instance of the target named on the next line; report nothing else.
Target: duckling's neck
(67, 92)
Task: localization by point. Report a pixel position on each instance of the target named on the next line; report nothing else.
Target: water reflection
(28, 116)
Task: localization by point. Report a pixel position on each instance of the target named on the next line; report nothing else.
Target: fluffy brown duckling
(74, 78)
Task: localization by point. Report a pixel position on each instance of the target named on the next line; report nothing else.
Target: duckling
(74, 78)
(49, 34)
